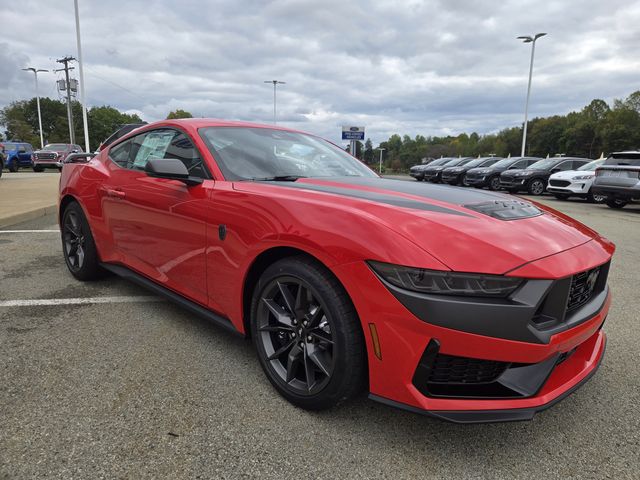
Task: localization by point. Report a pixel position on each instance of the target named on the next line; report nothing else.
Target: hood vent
(506, 209)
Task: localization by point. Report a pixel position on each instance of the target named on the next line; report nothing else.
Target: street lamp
(83, 97)
(532, 41)
(381, 150)
(275, 83)
(35, 73)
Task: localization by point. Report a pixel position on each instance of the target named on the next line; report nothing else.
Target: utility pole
(65, 61)
(275, 83)
(35, 72)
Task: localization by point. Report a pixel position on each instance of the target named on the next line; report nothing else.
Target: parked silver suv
(619, 178)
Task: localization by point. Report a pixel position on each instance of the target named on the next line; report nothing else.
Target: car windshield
(55, 147)
(249, 153)
(591, 166)
(440, 161)
(10, 148)
(505, 162)
(457, 161)
(543, 164)
(475, 162)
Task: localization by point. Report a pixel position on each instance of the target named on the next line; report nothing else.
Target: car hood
(466, 230)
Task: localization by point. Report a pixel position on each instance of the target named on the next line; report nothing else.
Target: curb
(29, 215)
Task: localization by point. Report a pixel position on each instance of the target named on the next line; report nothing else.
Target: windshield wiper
(278, 178)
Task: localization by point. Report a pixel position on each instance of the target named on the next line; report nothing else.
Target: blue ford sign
(352, 133)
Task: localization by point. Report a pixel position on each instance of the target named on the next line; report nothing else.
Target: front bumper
(417, 175)
(513, 183)
(433, 176)
(451, 178)
(570, 187)
(615, 191)
(47, 163)
(404, 338)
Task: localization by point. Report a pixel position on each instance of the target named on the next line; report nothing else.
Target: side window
(577, 164)
(532, 161)
(152, 144)
(120, 153)
(563, 166)
(183, 149)
(520, 164)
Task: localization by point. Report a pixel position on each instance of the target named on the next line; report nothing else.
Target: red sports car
(464, 304)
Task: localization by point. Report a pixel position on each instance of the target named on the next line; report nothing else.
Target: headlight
(583, 177)
(446, 283)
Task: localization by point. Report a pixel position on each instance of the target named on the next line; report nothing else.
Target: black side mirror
(170, 168)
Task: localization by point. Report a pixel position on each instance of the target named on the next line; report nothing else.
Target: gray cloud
(416, 67)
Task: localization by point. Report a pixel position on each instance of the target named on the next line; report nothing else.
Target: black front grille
(559, 183)
(582, 287)
(46, 156)
(450, 369)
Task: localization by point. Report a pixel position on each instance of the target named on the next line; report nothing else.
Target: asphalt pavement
(137, 388)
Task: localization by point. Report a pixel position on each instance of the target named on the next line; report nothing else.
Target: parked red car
(464, 304)
(53, 155)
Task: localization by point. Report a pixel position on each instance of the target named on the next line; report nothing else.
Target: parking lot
(135, 387)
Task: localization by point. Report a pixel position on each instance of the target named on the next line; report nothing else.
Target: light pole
(83, 98)
(275, 83)
(532, 41)
(35, 73)
(381, 150)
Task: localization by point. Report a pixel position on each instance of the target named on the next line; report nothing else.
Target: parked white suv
(576, 183)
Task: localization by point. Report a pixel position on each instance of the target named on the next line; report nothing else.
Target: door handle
(115, 193)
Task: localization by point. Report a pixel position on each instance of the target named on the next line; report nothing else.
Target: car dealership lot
(140, 388)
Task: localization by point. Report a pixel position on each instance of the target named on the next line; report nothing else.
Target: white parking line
(29, 231)
(78, 301)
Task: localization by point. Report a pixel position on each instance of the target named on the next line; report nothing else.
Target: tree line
(20, 120)
(596, 129)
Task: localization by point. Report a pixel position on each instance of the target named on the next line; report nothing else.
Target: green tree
(179, 113)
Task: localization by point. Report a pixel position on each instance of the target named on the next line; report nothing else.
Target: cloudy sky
(415, 67)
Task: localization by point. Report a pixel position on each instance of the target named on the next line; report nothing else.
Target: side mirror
(171, 169)
(74, 151)
(555, 170)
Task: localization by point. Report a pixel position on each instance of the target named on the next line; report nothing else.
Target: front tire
(78, 246)
(494, 183)
(596, 198)
(13, 166)
(307, 334)
(38, 169)
(536, 187)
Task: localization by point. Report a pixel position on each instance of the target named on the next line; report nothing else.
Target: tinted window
(521, 164)
(624, 159)
(563, 166)
(120, 153)
(159, 144)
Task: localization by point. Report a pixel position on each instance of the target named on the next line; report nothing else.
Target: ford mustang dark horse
(467, 305)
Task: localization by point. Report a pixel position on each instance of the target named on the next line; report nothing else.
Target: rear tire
(307, 334)
(616, 203)
(13, 166)
(596, 198)
(78, 246)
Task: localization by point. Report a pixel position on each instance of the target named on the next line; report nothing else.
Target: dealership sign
(352, 133)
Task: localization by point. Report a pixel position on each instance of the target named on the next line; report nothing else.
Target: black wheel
(561, 196)
(13, 166)
(536, 187)
(37, 169)
(78, 246)
(494, 183)
(463, 180)
(307, 334)
(596, 198)
(616, 203)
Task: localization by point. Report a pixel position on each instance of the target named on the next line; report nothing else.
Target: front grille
(450, 369)
(582, 287)
(559, 183)
(46, 156)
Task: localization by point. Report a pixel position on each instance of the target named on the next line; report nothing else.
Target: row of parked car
(16, 155)
(615, 180)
